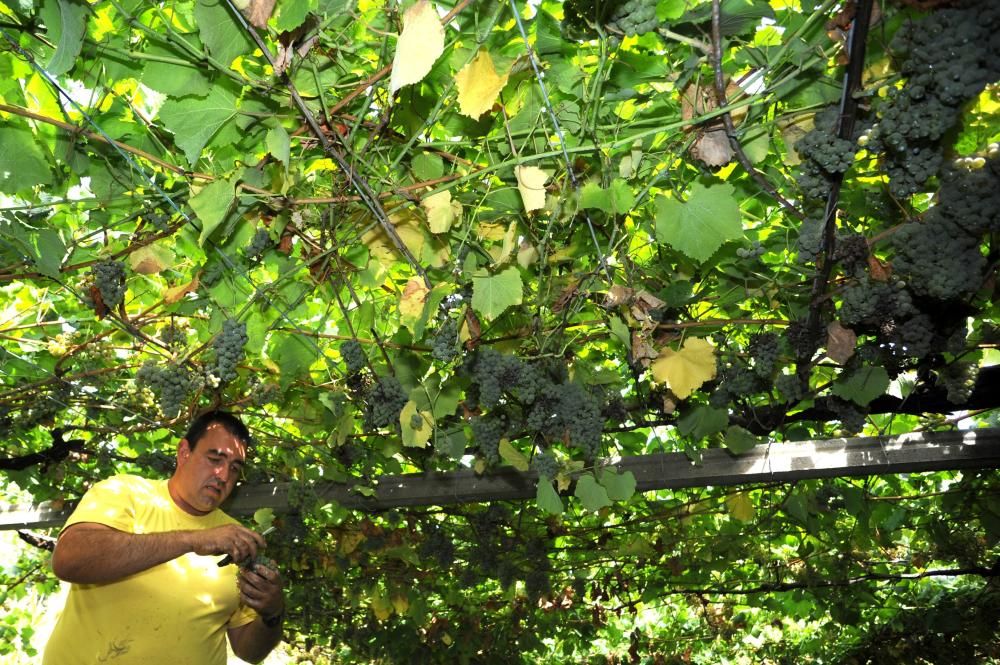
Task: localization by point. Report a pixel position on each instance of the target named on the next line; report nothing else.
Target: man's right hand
(235, 540)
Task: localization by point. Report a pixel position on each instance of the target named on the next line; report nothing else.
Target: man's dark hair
(229, 422)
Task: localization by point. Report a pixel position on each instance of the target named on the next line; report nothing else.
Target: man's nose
(222, 473)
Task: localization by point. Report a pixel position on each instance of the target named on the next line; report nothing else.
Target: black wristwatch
(275, 621)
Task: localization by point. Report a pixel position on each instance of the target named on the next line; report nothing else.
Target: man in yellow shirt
(143, 555)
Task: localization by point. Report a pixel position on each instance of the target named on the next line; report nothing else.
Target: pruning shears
(228, 559)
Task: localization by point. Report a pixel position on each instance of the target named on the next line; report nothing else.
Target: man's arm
(91, 553)
(260, 589)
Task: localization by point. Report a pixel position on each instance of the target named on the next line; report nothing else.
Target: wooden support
(777, 462)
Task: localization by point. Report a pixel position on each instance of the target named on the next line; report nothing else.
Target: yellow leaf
(415, 437)
(509, 243)
(478, 86)
(740, 506)
(411, 305)
(684, 371)
(490, 231)
(381, 605)
(151, 259)
(513, 456)
(400, 602)
(441, 211)
(531, 184)
(420, 43)
(526, 255)
(174, 294)
(350, 541)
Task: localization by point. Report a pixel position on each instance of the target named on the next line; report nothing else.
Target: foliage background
(270, 177)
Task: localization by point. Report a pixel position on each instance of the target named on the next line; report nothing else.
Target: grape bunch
(173, 335)
(353, 355)
(958, 379)
(852, 419)
(109, 278)
(438, 546)
(947, 59)
(545, 465)
(446, 341)
(171, 385)
(873, 303)
(764, 349)
(753, 252)
(211, 273)
(384, 402)
(852, 253)
(487, 431)
(260, 243)
(263, 394)
(634, 17)
(228, 346)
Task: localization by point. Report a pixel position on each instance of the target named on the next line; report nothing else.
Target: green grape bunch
(172, 385)
(229, 349)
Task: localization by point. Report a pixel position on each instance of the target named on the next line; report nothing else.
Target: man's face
(206, 475)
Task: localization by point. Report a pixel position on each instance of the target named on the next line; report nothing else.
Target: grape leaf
(620, 486)
(415, 437)
(478, 85)
(739, 440)
(492, 294)
(66, 23)
(687, 369)
(702, 224)
(222, 35)
(212, 204)
(513, 456)
(291, 14)
(592, 495)
(22, 163)
(547, 499)
(194, 120)
(863, 385)
(263, 517)
(278, 144)
(420, 43)
(531, 184)
(740, 506)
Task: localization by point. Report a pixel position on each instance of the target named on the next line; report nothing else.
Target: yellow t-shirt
(176, 612)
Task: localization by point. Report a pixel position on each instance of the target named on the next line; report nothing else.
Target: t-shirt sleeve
(110, 502)
(242, 616)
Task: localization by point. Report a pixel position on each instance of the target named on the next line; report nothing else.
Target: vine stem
(359, 183)
(727, 117)
(75, 129)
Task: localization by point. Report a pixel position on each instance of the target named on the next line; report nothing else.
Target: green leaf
(863, 385)
(739, 440)
(22, 163)
(451, 444)
(701, 225)
(294, 355)
(48, 250)
(263, 517)
(702, 421)
(620, 486)
(621, 332)
(547, 498)
(290, 14)
(492, 294)
(173, 79)
(513, 456)
(592, 195)
(194, 120)
(668, 10)
(278, 144)
(212, 204)
(427, 166)
(592, 495)
(223, 36)
(66, 23)
(616, 200)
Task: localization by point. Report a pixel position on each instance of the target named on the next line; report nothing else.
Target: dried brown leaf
(840, 342)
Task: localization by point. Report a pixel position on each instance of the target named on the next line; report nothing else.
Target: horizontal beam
(777, 462)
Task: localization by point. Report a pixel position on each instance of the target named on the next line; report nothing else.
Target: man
(143, 555)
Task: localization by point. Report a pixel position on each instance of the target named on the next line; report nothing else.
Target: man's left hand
(261, 589)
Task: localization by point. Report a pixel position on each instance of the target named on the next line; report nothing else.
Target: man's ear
(183, 451)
